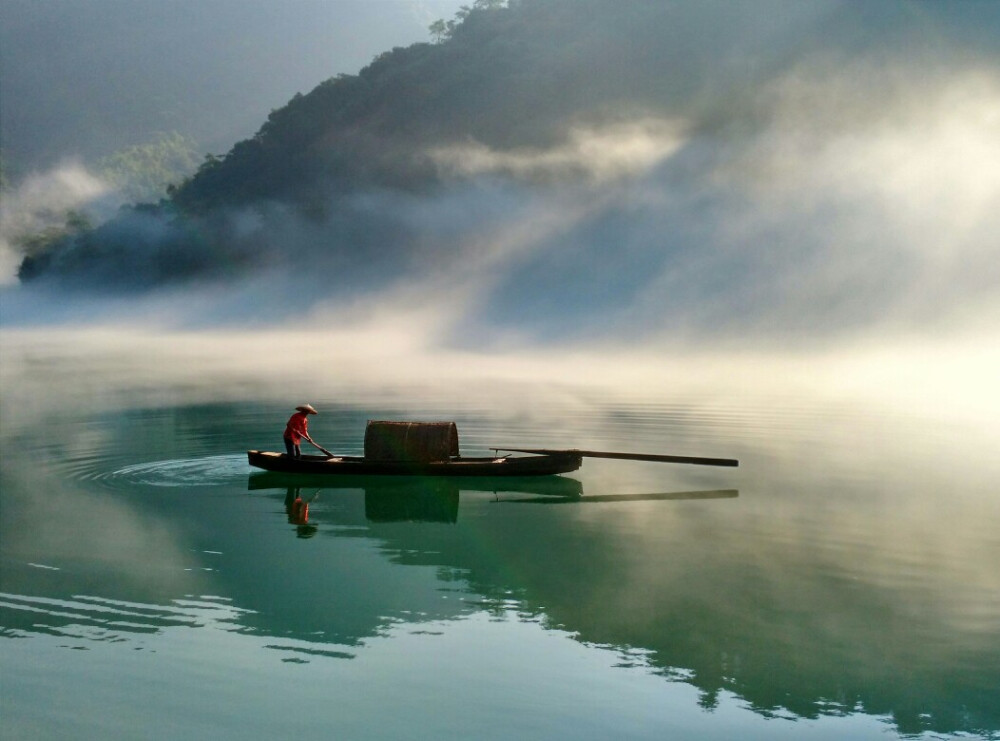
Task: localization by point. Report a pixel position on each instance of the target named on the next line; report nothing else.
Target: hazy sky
(87, 77)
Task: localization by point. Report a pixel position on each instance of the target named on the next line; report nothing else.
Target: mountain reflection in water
(721, 607)
(822, 586)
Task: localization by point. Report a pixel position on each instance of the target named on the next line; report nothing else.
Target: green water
(842, 583)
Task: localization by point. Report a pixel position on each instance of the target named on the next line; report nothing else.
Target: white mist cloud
(924, 150)
(332, 355)
(41, 201)
(599, 154)
(859, 200)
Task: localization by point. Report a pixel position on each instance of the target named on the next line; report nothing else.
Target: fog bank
(821, 217)
(844, 205)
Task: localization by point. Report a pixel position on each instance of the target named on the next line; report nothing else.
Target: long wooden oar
(631, 456)
(616, 498)
(317, 445)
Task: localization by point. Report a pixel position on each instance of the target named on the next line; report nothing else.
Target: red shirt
(298, 425)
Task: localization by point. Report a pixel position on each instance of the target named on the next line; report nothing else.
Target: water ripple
(216, 470)
(106, 619)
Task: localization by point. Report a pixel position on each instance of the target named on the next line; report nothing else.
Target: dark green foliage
(39, 247)
(503, 75)
(144, 246)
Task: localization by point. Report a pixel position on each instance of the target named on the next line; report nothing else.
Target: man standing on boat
(298, 428)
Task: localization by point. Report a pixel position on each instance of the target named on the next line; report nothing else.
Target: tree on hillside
(144, 172)
(442, 29)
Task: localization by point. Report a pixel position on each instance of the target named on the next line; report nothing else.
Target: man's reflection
(297, 509)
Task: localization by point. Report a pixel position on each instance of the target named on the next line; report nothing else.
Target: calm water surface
(842, 583)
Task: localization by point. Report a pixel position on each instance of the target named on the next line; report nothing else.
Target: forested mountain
(366, 174)
(504, 77)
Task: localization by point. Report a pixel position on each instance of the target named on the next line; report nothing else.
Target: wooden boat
(530, 465)
(431, 449)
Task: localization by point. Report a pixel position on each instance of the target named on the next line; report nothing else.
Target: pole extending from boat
(320, 447)
(698, 461)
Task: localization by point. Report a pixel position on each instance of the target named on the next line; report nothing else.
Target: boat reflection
(560, 486)
(409, 499)
(672, 496)
(428, 501)
(436, 499)
(392, 501)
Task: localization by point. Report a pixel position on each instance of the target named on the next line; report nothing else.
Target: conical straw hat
(307, 408)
